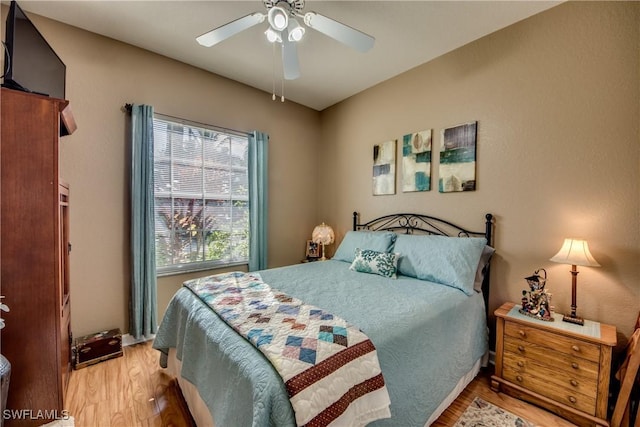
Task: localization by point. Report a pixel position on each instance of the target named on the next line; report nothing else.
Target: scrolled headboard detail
(410, 223)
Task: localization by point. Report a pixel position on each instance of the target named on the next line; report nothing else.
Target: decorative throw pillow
(374, 262)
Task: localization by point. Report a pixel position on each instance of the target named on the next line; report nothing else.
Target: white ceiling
(408, 33)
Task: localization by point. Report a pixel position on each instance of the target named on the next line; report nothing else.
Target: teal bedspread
(427, 336)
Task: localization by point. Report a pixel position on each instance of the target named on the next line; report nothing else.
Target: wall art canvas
(384, 168)
(416, 161)
(458, 158)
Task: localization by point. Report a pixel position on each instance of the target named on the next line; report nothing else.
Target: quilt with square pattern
(329, 367)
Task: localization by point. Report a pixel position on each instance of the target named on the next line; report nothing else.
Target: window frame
(196, 266)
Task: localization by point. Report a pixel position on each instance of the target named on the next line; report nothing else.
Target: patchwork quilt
(330, 368)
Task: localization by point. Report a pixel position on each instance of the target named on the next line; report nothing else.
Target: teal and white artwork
(458, 158)
(416, 161)
(384, 168)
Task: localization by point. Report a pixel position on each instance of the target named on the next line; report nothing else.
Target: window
(201, 196)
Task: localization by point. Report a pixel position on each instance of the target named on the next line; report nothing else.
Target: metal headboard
(409, 223)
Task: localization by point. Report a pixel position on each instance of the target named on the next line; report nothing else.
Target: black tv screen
(31, 65)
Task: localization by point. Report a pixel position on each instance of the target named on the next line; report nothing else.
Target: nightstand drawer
(573, 365)
(553, 341)
(544, 387)
(550, 374)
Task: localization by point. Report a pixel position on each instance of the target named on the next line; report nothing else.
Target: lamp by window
(574, 252)
(324, 235)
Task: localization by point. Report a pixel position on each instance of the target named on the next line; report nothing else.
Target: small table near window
(557, 365)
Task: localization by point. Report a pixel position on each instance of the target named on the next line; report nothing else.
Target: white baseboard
(128, 339)
(492, 357)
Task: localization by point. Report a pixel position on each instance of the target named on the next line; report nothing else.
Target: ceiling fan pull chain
(282, 89)
(273, 69)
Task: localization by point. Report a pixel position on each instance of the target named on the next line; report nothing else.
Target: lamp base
(573, 319)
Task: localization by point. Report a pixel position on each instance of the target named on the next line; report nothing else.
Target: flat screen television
(31, 64)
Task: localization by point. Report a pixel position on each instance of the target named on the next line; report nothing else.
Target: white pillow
(483, 264)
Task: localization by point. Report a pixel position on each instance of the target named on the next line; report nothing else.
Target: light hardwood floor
(130, 391)
(133, 391)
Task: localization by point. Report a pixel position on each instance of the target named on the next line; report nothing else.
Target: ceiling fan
(284, 28)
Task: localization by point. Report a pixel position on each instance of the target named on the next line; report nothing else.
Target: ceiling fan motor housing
(292, 6)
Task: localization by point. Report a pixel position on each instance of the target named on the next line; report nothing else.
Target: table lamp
(574, 252)
(324, 235)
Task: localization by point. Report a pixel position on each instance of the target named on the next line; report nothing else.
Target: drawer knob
(575, 348)
(520, 348)
(574, 383)
(519, 378)
(574, 365)
(522, 333)
(520, 363)
(572, 399)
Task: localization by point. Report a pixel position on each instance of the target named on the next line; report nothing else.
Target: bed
(428, 324)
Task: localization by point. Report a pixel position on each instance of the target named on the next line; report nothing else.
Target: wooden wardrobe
(34, 252)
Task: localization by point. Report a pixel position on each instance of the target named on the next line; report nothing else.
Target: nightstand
(557, 365)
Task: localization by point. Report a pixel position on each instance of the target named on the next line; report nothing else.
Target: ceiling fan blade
(290, 62)
(230, 29)
(343, 33)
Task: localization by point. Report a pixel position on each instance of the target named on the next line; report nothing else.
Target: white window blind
(201, 196)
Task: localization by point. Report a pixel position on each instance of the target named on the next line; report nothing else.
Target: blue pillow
(450, 261)
(381, 263)
(380, 241)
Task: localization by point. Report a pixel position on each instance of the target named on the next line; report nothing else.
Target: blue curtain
(258, 183)
(143, 303)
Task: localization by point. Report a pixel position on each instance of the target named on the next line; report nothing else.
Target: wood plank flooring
(130, 391)
(134, 391)
(480, 387)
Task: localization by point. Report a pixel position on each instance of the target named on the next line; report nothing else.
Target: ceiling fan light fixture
(285, 29)
(296, 31)
(278, 18)
(273, 36)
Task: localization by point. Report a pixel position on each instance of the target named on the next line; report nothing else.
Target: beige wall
(103, 75)
(557, 100)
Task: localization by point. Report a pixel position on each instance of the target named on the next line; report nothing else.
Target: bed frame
(409, 223)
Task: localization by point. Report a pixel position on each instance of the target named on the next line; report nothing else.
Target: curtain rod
(126, 108)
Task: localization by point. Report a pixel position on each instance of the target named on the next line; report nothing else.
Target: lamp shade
(272, 36)
(296, 31)
(323, 234)
(278, 18)
(575, 252)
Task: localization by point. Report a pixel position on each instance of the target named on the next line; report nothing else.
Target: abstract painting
(416, 161)
(458, 158)
(384, 168)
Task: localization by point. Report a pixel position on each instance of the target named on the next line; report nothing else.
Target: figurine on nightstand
(536, 302)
